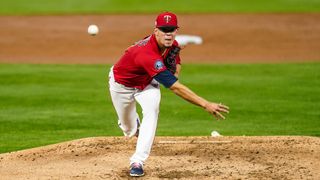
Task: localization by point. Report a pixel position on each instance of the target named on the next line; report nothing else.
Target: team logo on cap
(158, 65)
(167, 18)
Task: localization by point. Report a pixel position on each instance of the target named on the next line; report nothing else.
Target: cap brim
(167, 26)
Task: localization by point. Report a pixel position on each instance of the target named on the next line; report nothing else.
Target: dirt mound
(171, 157)
(227, 37)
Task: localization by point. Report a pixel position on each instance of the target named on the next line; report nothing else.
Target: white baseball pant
(124, 101)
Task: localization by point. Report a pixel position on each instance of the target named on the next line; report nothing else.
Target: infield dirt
(171, 157)
(228, 38)
(234, 38)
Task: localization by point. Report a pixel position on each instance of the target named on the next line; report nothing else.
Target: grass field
(44, 104)
(19, 7)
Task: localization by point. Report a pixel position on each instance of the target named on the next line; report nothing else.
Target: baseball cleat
(136, 170)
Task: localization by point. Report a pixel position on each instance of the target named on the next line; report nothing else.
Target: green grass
(18, 7)
(45, 104)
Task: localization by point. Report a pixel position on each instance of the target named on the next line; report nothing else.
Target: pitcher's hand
(217, 109)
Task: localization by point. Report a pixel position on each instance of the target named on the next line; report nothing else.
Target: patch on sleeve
(158, 65)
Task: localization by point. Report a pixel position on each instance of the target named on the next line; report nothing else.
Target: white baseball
(215, 134)
(93, 30)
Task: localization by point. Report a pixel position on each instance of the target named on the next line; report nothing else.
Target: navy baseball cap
(167, 21)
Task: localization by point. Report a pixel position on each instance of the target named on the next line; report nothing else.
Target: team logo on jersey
(158, 65)
(167, 18)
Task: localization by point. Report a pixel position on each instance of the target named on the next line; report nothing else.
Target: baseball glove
(170, 60)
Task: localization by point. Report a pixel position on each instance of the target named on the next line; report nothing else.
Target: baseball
(93, 30)
(215, 134)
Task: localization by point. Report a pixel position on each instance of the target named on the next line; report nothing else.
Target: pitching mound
(171, 157)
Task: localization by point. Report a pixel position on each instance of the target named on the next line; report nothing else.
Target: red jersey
(140, 63)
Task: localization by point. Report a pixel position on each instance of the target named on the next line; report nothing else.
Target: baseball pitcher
(136, 77)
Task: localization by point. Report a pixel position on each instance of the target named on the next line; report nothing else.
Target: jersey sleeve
(166, 78)
(152, 65)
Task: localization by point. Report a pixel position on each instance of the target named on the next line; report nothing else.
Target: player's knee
(153, 114)
(130, 132)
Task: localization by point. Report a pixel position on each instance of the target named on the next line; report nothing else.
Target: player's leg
(149, 99)
(126, 111)
(125, 106)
